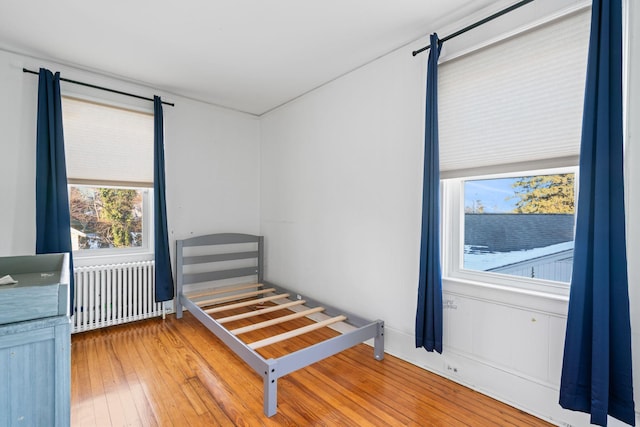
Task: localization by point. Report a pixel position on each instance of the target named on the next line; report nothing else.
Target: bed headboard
(224, 248)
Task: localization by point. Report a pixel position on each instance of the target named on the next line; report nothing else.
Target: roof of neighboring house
(507, 232)
(497, 261)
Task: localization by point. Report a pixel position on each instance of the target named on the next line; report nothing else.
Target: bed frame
(213, 269)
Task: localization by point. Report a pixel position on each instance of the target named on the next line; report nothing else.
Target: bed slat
(245, 303)
(220, 239)
(214, 301)
(276, 321)
(294, 333)
(248, 314)
(210, 276)
(222, 290)
(202, 259)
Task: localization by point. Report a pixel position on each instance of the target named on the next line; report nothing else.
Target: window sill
(554, 304)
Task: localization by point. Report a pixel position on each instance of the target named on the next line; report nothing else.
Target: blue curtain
(596, 370)
(164, 278)
(429, 312)
(53, 219)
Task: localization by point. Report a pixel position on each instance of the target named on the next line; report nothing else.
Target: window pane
(105, 217)
(520, 226)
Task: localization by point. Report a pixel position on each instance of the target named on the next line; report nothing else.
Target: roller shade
(518, 101)
(107, 145)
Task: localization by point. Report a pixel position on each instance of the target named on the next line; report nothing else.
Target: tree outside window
(106, 217)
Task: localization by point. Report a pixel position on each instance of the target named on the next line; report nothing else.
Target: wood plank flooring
(176, 373)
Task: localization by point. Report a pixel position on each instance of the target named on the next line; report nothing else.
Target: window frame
(452, 237)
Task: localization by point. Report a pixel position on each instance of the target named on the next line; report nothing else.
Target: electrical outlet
(453, 369)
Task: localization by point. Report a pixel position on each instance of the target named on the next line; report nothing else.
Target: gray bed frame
(269, 369)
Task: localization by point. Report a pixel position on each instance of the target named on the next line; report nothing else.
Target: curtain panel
(163, 275)
(596, 371)
(53, 219)
(429, 311)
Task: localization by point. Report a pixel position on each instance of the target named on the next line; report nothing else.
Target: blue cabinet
(35, 342)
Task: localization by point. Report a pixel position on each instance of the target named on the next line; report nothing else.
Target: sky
(493, 193)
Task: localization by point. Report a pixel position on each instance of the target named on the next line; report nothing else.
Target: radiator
(108, 295)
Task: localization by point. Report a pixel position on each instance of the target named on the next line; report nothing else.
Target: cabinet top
(35, 270)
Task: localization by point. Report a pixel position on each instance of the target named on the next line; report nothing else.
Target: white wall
(17, 159)
(341, 190)
(212, 156)
(632, 187)
(213, 170)
(340, 210)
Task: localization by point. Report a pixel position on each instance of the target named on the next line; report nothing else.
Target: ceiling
(247, 55)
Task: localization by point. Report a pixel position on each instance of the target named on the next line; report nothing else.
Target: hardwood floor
(176, 373)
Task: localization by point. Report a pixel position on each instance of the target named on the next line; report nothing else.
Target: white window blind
(107, 145)
(515, 102)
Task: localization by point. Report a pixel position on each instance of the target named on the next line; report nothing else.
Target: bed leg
(179, 278)
(270, 390)
(178, 304)
(378, 342)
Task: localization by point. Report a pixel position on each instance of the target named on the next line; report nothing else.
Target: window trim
(452, 237)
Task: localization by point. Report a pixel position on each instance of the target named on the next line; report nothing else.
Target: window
(510, 118)
(109, 152)
(512, 225)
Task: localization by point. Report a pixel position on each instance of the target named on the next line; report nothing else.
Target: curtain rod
(476, 24)
(24, 70)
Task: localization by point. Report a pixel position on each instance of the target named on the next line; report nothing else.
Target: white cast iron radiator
(108, 295)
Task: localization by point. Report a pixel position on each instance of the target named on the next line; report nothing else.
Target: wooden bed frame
(212, 256)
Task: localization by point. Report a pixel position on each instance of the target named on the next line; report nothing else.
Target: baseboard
(534, 397)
